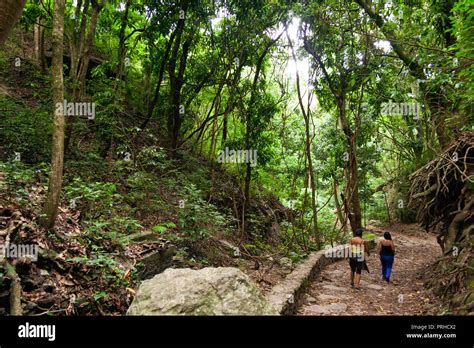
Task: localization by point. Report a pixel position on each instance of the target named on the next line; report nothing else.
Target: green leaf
(99, 295)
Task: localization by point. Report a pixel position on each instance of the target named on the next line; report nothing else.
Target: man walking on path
(357, 250)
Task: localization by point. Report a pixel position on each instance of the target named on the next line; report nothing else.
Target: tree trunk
(42, 56)
(76, 45)
(10, 12)
(248, 130)
(176, 82)
(77, 38)
(38, 32)
(122, 49)
(80, 79)
(57, 157)
(308, 145)
(156, 95)
(86, 56)
(340, 216)
(37, 38)
(224, 128)
(352, 191)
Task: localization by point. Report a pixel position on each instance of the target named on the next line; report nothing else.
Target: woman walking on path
(386, 249)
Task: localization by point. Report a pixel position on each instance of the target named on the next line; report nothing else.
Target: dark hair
(387, 235)
(358, 232)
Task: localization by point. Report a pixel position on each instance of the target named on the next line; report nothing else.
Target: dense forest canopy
(280, 125)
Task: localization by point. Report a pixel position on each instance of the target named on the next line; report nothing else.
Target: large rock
(209, 291)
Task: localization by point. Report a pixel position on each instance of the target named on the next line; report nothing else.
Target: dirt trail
(331, 293)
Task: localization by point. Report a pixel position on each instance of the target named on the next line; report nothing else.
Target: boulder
(209, 291)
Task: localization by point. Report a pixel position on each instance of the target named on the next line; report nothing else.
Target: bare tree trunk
(42, 56)
(214, 141)
(38, 34)
(85, 52)
(15, 291)
(86, 56)
(76, 48)
(77, 38)
(340, 216)
(122, 50)
(175, 118)
(57, 157)
(352, 190)
(37, 37)
(10, 12)
(387, 207)
(224, 128)
(156, 95)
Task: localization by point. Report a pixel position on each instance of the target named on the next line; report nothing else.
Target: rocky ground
(331, 293)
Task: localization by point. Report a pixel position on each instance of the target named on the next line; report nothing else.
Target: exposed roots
(442, 192)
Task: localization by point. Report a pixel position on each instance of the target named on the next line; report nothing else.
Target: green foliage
(297, 256)
(198, 219)
(24, 130)
(179, 193)
(369, 236)
(19, 177)
(153, 158)
(103, 265)
(143, 194)
(164, 226)
(93, 198)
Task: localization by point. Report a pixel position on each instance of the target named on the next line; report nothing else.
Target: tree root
(15, 290)
(15, 285)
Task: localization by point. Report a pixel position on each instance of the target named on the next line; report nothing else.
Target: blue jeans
(387, 263)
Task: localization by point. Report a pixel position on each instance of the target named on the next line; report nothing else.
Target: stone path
(331, 293)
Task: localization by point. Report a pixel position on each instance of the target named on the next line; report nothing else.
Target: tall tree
(308, 148)
(177, 78)
(83, 67)
(434, 94)
(342, 59)
(57, 153)
(122, 51)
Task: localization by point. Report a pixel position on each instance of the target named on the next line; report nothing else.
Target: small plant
(153, 157)
(197, 218)
(163, 227)
(94, 199)
(297, 256)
